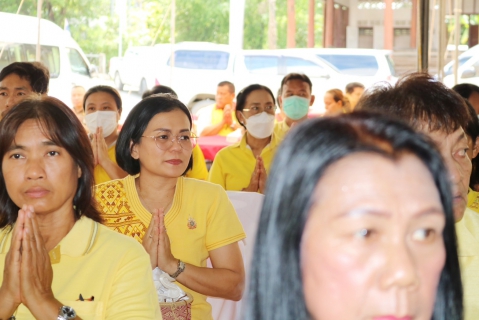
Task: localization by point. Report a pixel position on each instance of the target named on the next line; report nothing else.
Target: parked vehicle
(196, 68)
(462, 58)
(65, 60)
(368, 65)
(468, 72)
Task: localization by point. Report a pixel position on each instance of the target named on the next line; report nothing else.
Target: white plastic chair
(248, 207)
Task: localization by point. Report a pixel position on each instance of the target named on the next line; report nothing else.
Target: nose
(34, 169)
(400, 270)
(175, 144)
(454, 168)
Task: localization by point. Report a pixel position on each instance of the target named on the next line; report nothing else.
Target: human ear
(134, 151)
(79, 172)
(240, 117)
(311, 101)
(475, 148)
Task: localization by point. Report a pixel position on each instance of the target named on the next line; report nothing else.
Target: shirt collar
(80, 239)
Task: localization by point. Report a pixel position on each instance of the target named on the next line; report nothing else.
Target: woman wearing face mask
(102, 105)
(357, 223)
(244, 165)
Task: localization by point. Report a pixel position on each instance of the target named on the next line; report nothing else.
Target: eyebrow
(383, 214)
(46, 143)
(168, 130)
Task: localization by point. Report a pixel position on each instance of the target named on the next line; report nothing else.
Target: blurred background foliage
(94, 24)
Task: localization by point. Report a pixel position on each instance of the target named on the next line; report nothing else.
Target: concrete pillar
(291, 33)
(311, 24)
(413, 30)
(329, 25)
(388, 25)
(236, 25)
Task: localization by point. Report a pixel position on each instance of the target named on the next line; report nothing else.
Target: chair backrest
(248, 207)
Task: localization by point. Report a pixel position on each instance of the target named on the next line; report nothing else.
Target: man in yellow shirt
(431, 108)
(294, 101)
(218, 118)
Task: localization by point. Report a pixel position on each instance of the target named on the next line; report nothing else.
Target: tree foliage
(94, 24)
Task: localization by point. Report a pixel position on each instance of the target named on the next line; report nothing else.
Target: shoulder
(202, 187)
(119, 243)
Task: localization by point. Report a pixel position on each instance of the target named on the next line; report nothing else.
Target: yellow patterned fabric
(201, 219)
(467, 231)
(280, 130)
(92, 260)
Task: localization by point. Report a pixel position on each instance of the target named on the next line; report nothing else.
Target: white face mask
(105, 119)
(260, 125)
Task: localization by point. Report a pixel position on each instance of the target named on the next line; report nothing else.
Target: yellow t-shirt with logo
(201, 219)
(467, 231)
(92, 260)
(234, 165)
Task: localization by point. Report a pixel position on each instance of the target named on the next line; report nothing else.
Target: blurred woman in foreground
(359, 213)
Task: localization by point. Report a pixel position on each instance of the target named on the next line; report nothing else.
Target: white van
(65, 60)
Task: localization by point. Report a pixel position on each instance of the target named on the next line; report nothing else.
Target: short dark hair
(419, 100)
(158, 89)
(316, 145)
(296, 76)
(243, 95)
(466, 89)
(107, 89)
(136, 123)
(34, 72)
(62, 126)
(231, 86)
(472, 131)
(353, 85)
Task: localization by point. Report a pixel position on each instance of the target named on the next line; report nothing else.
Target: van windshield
(357, 65)
(16, 52)
(200, 59)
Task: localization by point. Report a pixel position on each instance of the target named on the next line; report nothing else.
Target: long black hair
(300, 163)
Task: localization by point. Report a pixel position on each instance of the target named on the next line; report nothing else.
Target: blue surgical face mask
(295, 107)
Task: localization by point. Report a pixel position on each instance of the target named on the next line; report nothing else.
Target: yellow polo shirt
(199, 170)
(99, 173)
(211, 115)
(467, 231)
(234, 165)
(473, 200)
(281, 129)
(94, 261)
(201, 219)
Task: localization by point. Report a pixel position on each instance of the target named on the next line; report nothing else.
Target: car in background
(369, 66)
(462, 58)
(468, 72)
(65, 60)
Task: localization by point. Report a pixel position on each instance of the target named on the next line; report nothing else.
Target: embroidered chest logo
(191, 223)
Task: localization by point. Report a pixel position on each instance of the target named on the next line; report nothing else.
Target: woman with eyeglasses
(244, 166)
(181, 222)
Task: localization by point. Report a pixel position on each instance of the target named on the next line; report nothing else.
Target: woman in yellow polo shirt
(56, 258)
(181, 222)
(102, 105)
(244, 166)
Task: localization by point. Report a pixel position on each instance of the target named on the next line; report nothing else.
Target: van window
(77, 64)
(357, 65)
(16, 52)
(299, 65)
(262, 64)
(199, 59)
